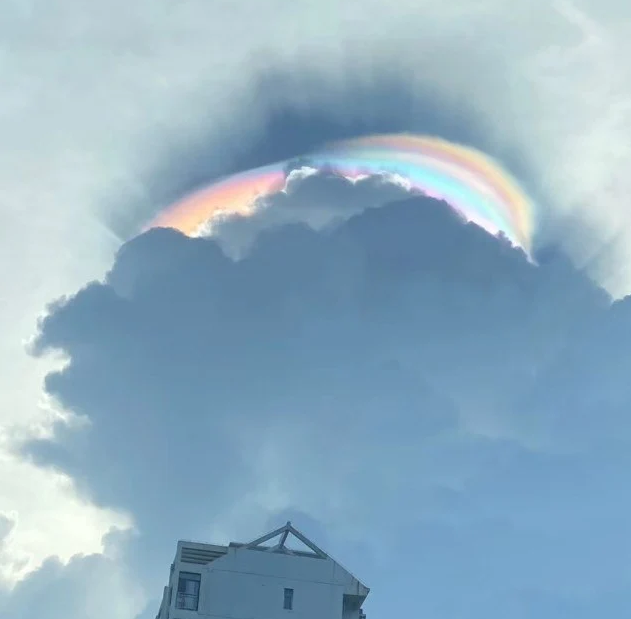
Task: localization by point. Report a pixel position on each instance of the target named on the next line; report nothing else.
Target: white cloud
(88, 587)
(48, 518)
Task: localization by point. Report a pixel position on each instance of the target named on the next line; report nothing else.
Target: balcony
(187, 601)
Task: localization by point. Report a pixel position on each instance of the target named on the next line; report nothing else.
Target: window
(288, 602)
(188, 591)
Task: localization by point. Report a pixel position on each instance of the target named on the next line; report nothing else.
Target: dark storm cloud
(400, 368)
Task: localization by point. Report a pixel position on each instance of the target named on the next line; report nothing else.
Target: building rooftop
(286, 540)
(211, 578)
(202, 553)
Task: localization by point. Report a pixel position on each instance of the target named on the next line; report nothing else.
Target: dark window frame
(182, 596)
(288, 599)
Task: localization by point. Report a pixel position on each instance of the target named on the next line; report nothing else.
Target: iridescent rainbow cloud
(469, 181)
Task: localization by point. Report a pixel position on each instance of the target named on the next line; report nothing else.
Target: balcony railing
(187, 601)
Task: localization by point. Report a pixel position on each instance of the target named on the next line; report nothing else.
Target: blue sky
(443, 416)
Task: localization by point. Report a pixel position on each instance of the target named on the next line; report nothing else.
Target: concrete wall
(249, 584)
(164, 606)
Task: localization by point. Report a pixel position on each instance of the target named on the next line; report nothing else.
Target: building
(267, 578)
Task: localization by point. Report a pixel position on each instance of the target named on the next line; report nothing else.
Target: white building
(260, 580)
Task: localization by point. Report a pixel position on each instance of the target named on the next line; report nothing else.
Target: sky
(443, 415)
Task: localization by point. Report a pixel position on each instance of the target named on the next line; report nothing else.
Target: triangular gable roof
(283, 534)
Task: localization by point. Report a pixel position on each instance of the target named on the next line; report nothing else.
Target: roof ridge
(283, 533)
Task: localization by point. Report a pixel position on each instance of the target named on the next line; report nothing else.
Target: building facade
(264, 579)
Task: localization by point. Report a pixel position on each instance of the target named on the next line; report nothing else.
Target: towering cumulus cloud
(401, 377)
(329, 331)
